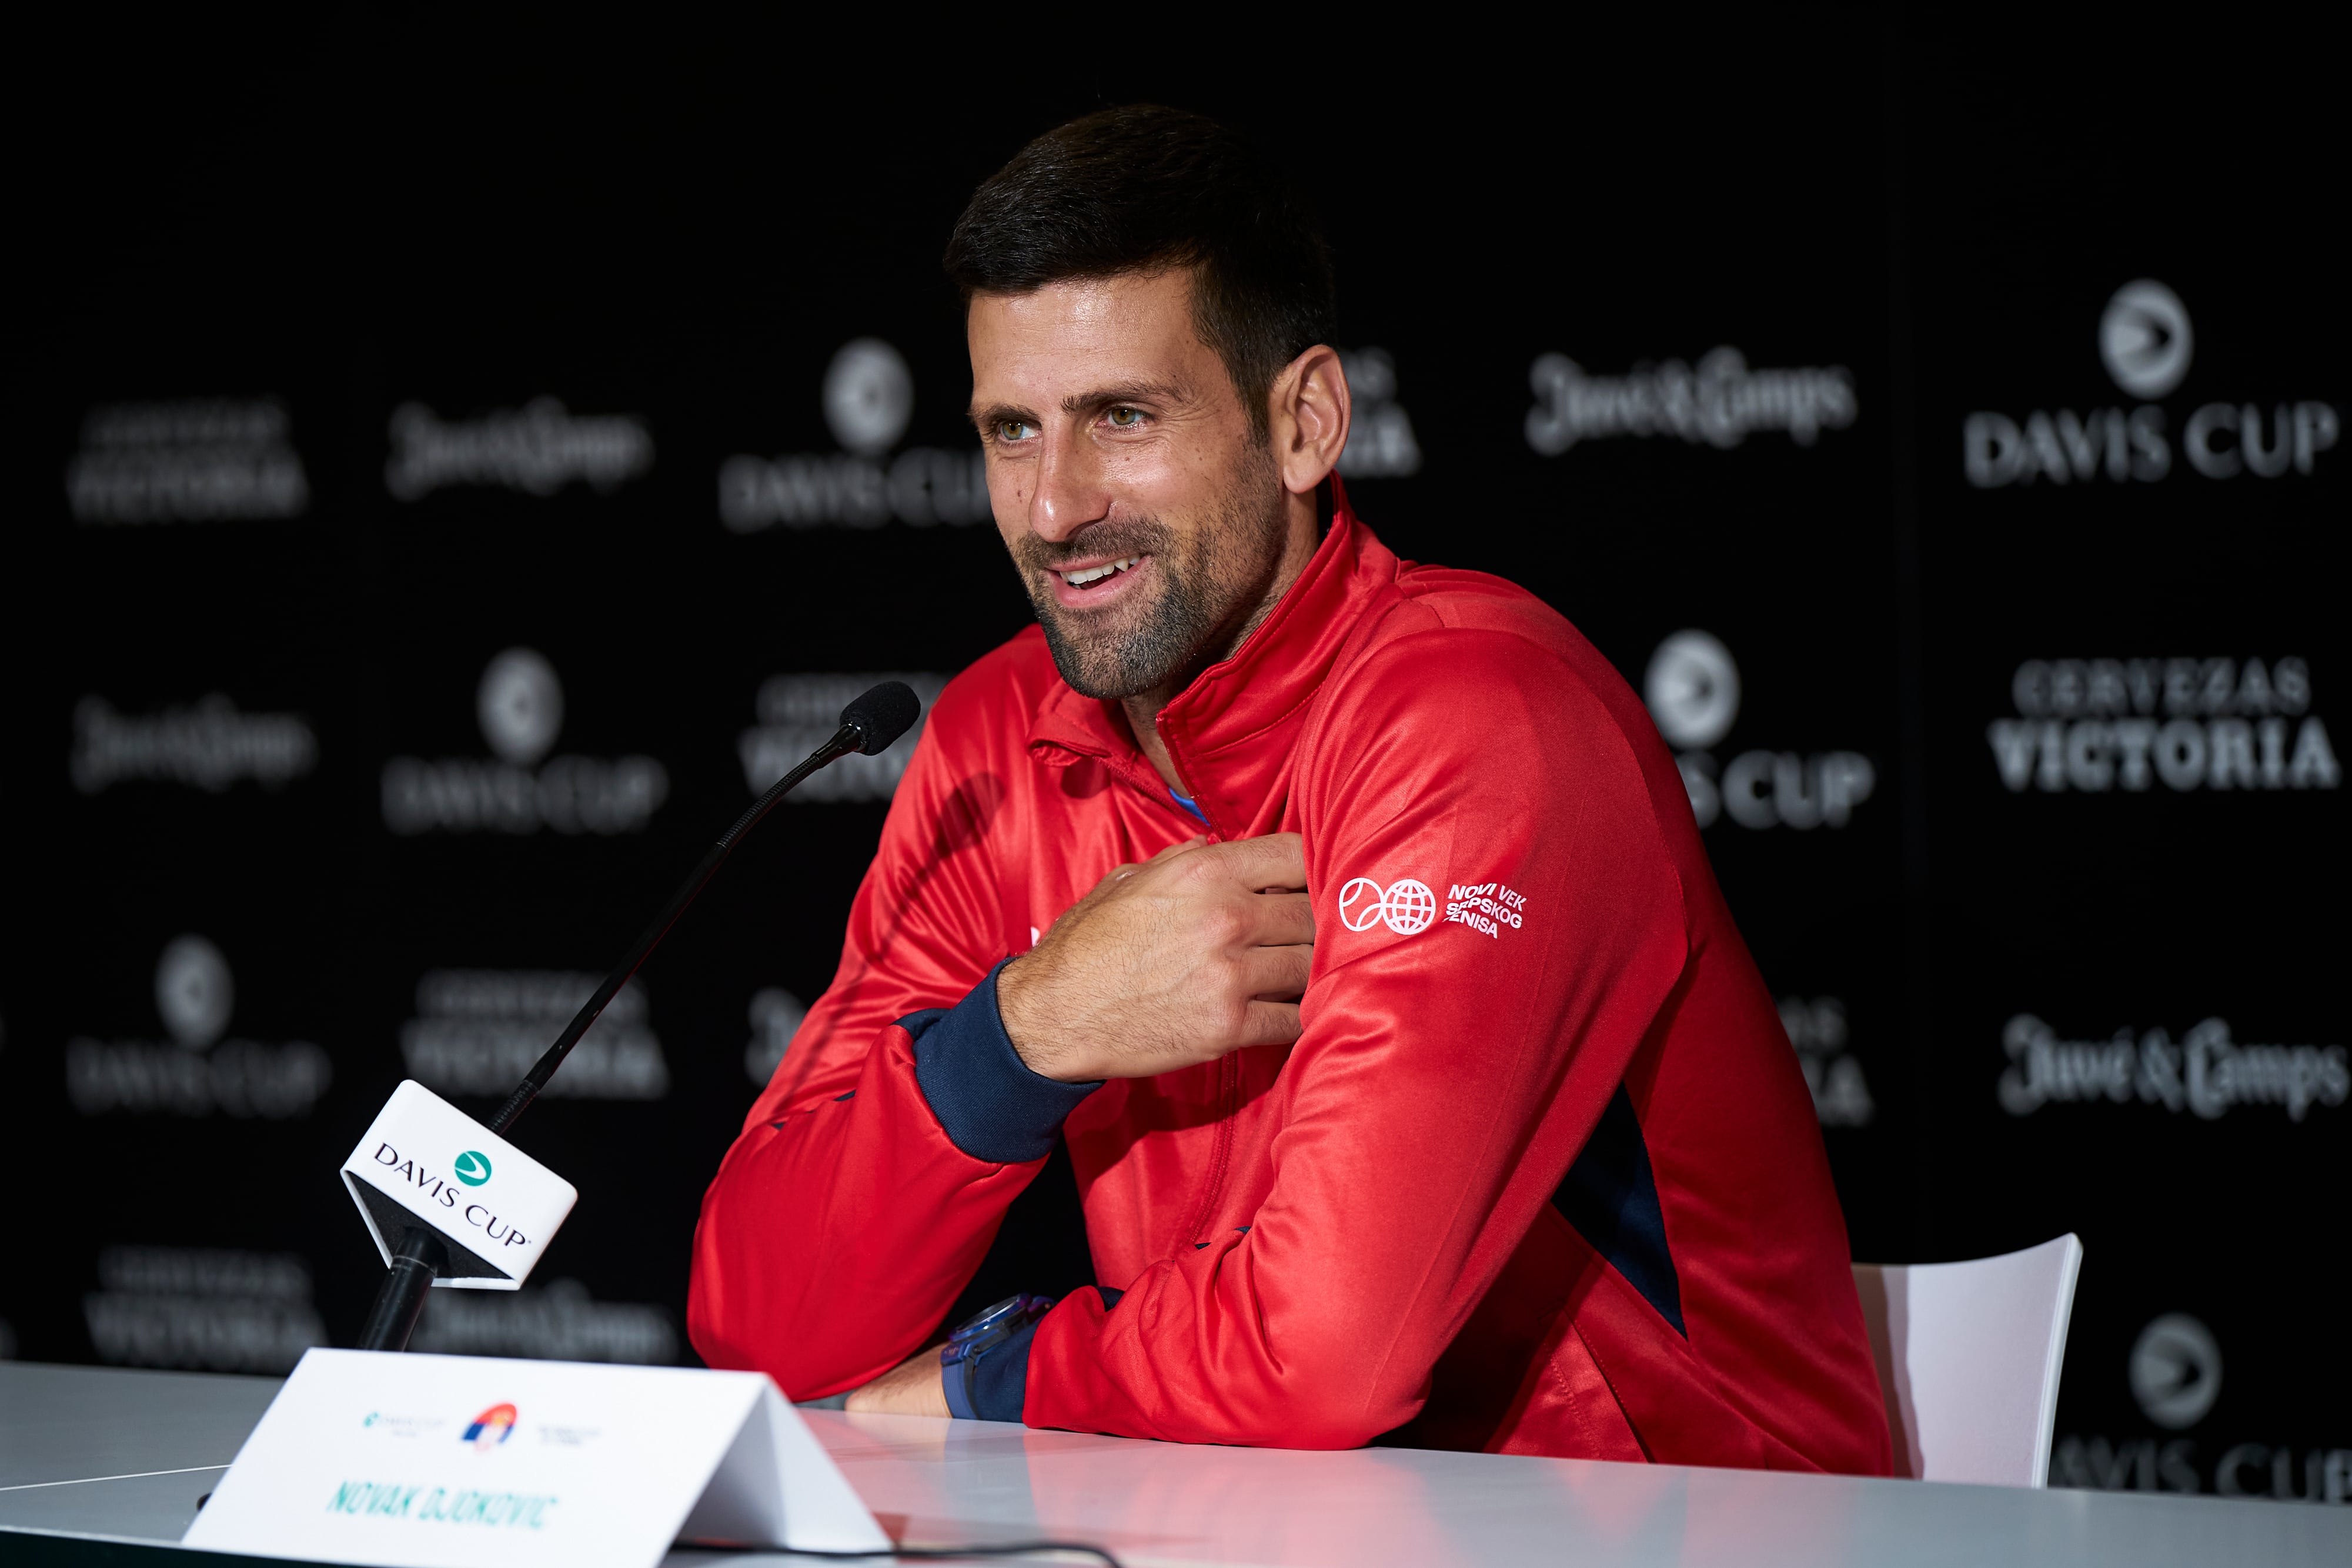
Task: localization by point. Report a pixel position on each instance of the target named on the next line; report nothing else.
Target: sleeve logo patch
(1486, 908)
(1408, 907)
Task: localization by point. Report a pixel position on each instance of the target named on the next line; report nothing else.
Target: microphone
(868, 726)
(881, 715)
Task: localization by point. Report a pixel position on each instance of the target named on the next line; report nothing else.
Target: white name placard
(425, 1162)
(454, 1461)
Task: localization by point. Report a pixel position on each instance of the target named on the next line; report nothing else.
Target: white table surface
(126, 1455)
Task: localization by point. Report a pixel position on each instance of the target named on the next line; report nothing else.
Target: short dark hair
(1143, 188)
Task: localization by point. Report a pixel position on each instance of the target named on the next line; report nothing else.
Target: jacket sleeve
(1497, 922)
(855, 1206)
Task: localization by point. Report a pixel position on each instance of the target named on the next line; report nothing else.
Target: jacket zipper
(1229, 1080)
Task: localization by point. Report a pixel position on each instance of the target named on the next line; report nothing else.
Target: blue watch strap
(951, 1384)
(990, 1381)
(984, 1366)
(998, 1388)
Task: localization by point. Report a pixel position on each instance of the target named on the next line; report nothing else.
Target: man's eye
(1014, 430)
(1125, 418)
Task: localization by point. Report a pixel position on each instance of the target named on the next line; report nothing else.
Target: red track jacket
(1540, 1175)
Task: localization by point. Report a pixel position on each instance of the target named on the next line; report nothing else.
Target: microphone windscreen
(882, 715)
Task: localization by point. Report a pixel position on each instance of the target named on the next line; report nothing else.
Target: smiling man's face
(1147, 520)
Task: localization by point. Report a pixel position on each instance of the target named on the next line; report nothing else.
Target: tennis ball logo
(1408, 905)
(473, 1167)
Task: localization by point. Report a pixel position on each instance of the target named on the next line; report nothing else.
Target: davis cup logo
(521, 706)
(2144, 338)
(869, 395)
(1408, 907)
(194, 992)
(2175, 1371)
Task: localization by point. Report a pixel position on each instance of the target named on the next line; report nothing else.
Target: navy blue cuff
(999, 1386)
(989, 1103)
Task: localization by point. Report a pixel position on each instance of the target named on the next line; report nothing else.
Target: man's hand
(1173, 962)
(910, 1388)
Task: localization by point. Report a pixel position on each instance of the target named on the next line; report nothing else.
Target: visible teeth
(1096, 574)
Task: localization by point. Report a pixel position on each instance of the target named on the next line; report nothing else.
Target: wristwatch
(979, 1334)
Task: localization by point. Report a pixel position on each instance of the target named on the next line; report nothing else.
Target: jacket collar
(1232, 732)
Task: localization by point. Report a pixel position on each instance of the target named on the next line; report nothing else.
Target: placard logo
(1691, 688)
(2147, 345)
(491, 1427)
(472, 1167)
(1406, 905)
(520, 707)
(868, 396)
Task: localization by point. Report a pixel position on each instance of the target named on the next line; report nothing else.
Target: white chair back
(1969, 1356)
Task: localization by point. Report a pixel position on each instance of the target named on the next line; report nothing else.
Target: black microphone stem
(417, 1254)
(844, 741)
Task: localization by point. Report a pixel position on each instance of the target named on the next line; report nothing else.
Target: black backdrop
(426, 516)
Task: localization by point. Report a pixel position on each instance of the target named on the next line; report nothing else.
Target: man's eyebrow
(1123, 391)
(1079, 402)
(983, 418)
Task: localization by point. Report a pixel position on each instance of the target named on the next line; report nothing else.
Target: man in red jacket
(1345, 917)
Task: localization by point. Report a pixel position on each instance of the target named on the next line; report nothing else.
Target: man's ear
(1310, 413)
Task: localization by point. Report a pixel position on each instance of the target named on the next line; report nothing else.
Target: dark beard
(1208, 598)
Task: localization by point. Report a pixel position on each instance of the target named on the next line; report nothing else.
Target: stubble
(1213, 588)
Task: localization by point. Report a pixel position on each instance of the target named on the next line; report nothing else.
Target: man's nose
(1070, 490)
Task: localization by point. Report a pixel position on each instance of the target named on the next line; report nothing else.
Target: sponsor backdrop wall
(444, 491)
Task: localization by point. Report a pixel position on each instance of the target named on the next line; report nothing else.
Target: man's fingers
(1278, 971)
(1194, 842)
(1278, 860)
(1271, 1023)
(1280, 919)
